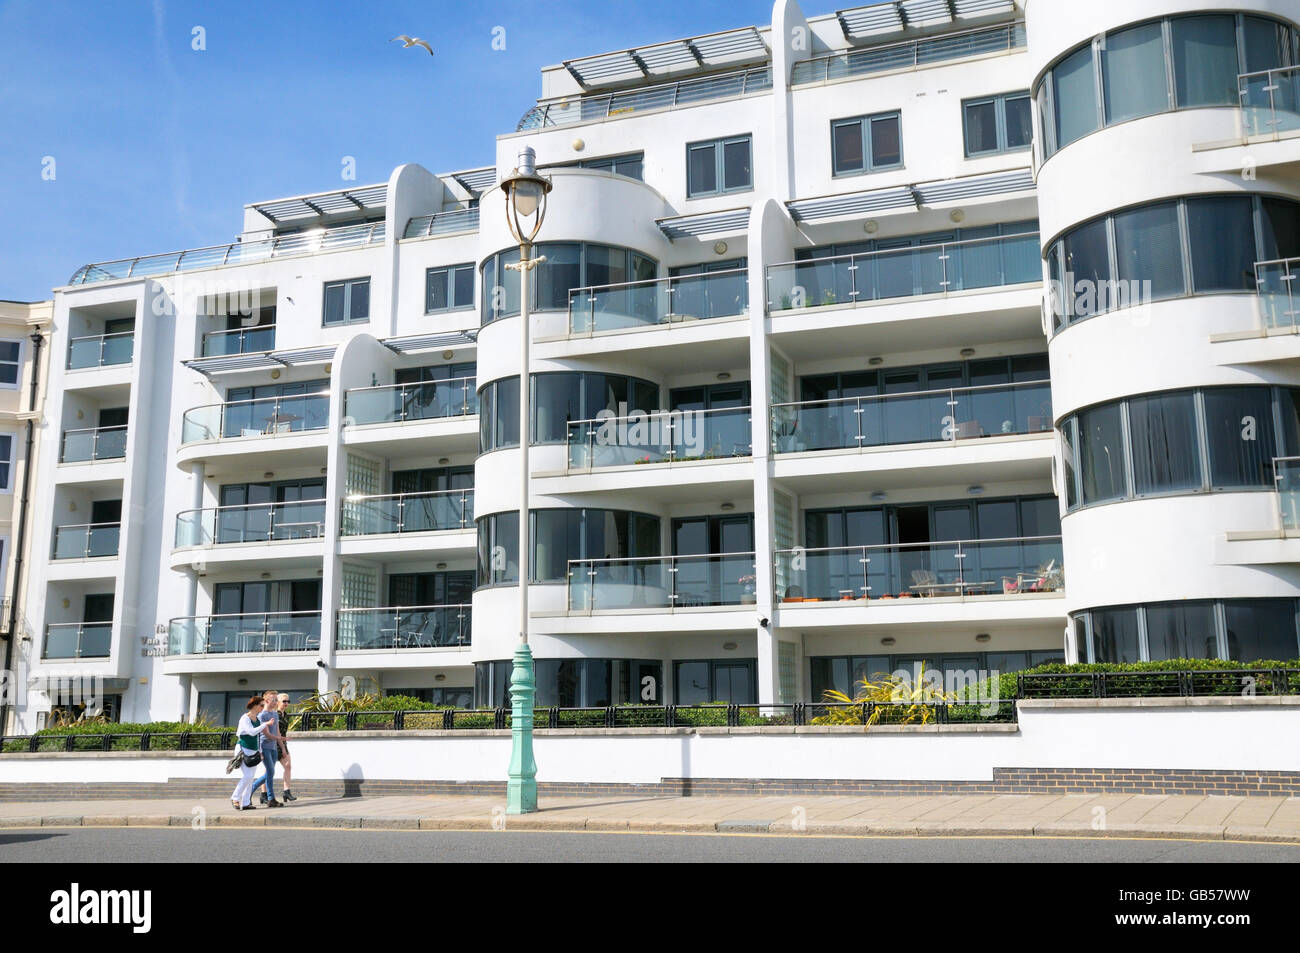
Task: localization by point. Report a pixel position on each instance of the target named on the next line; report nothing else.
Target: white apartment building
(834, 370)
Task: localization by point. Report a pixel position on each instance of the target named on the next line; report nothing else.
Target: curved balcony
(911, 418)
(402, 403)
(86, 540)
(396, 513)
(960, 570)
(259, 417)
(239, 341)
(676, 436)
(77, 640)
(915, 270)
(250, 523)
(101, 350)
(658, 302)
(244, 634)
(660, 583)
(93, 445)
(402, 628)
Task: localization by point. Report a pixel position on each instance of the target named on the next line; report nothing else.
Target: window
(1185, 630)
(568, 265)
(498, 549)
(867, 143)
(1195, 245)
(1239, 428)
(1115, 635)
(1133, 73)
(574, 683)
(449, 289)
(562, 397)
(715, 680)
(1260, 629)
(714, 168)
(10, 364)
(630, 165)
(1101, 454)
(347, 302)
(498, 415)
(1166, 455)
(997, 124)
(1241, 630)
(563, 535)
(1204, 53)
(6, 462)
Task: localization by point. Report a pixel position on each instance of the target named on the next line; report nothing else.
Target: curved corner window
(1180, 62)
(1205, 244)
(498, 549)
(1239, 630)
(568, 265)
(561, 535)
(498, 415)
(1177, 442)
(562, 397)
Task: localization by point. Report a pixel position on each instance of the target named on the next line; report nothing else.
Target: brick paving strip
(1209, 817)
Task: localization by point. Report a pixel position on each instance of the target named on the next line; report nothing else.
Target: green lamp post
(526, 193)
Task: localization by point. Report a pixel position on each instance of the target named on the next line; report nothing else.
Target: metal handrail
(242, 332)
(449, 380)
(540, 114)
(655, 559)
(465, 385)
(212, 256)
(205, 622)
(930, 545)
(269, 535)
(220, 434)
(462, 610)
(896, 252)
(1270, 317)
(259, 400)
(100, 337)
(81, 632)
(94, 453)
(422, 226)
(912, 393)
(466, 496)
(1271, 86)
(1013, 30)
(654, 281)
(88, 529)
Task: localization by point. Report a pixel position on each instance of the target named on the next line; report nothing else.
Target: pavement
(1190, 817)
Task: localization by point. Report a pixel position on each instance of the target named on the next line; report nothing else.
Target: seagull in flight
(409, 41)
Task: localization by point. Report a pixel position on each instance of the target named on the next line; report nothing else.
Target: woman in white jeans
(249, 729)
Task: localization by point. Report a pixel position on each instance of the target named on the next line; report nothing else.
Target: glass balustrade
(403, 627)
(671, 437)
(1270, 101)
(262, 416)
(964, 569)
(87, 446)
(75, 640)
(921, 417)
(1286, 476)
(101, 350)
(244, 633)
(86, 541)
(636, 304)
(661, 582)
(1278, 304)
(408, 513)
(239, 341)
(254, 523)
(904, 272)
(397, 403)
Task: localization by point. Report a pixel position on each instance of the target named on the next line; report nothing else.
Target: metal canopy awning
(730, 47)
(912, 197)
(261, 360)
(883, 19)
(364, 199)
(415, 343)
(728, 221)
(476, 181)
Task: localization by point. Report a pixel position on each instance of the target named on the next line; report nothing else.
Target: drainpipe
(37, 340)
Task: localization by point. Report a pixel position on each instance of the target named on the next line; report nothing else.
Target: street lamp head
(525, 197)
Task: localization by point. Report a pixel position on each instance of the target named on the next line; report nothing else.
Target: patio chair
(923, 579)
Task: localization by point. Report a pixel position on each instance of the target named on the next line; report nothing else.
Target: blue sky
(157, 146)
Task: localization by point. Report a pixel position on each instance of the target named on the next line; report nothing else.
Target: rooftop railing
(261, 416)
(250, 523)
(1279, 298)
(244, 633)
(239, 341)
(76, 640)
(399, 403)
(687, 92)
(886, 274)
(442, 223)
(672, 436)
(93, 444)
(882, 420)
(910, 54)
(236, 253)
(86, 540)
(659, 301)
(408, 513)
(403, 627)
(1270, 101)
(100, 350)
(671, 583)
(960, 569)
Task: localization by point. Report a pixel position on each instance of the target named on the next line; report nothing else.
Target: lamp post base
(521, 788)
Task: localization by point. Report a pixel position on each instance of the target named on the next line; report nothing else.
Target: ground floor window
(716, 680)
(448, 697)
(842, 673)
(574, 683)
(224, 709)
(1243, 630)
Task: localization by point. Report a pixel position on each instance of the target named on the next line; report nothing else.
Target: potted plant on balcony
(747, 593)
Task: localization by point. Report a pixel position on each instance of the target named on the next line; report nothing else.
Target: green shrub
(1140, 679)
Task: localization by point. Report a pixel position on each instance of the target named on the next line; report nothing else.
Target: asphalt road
(167, 845)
